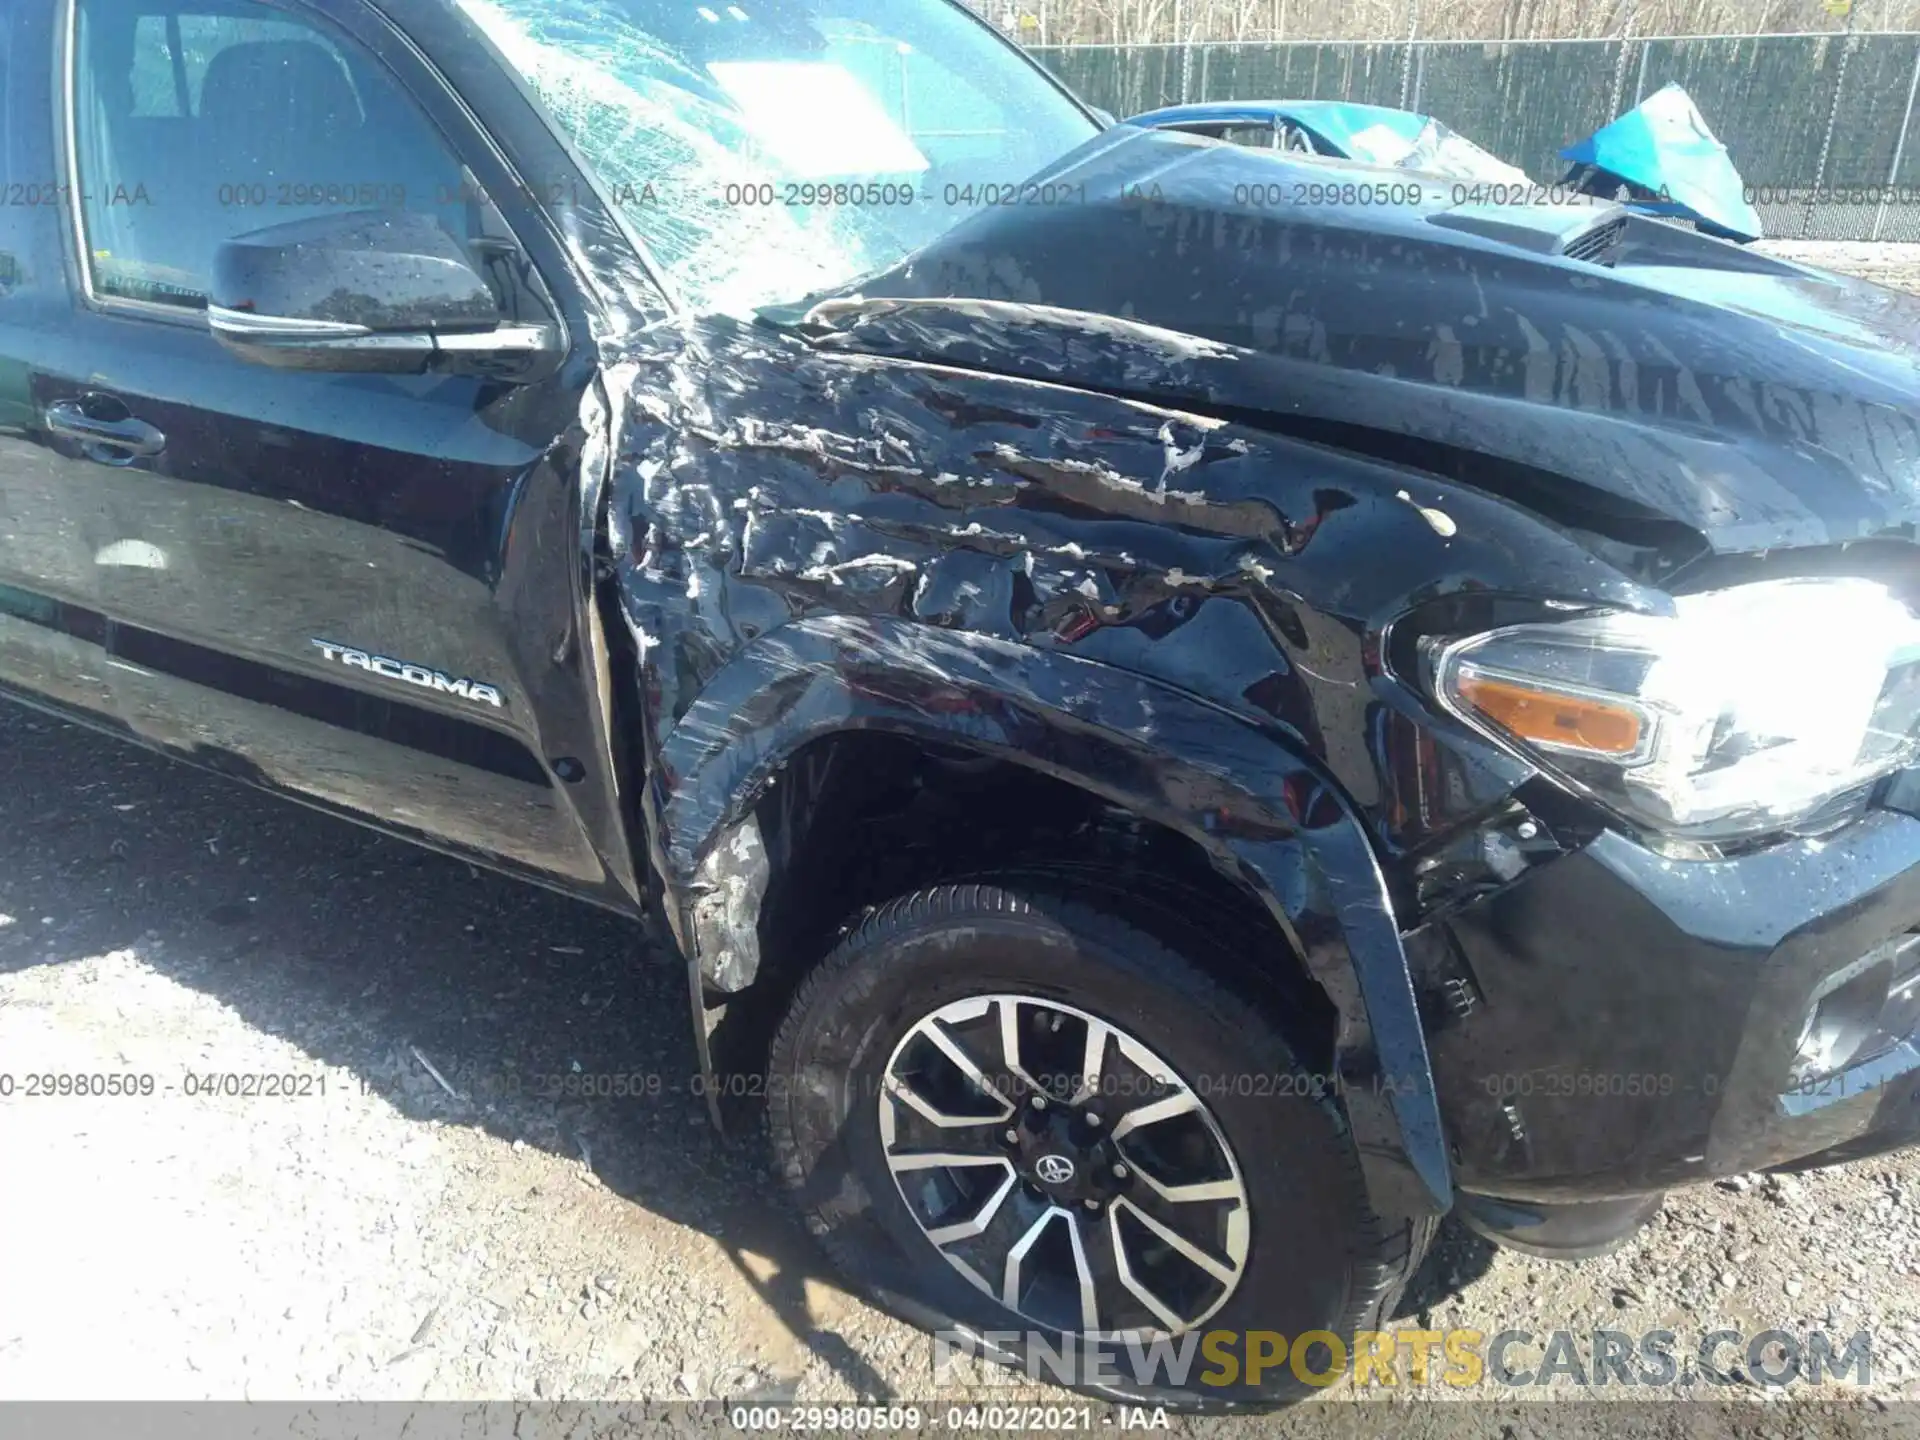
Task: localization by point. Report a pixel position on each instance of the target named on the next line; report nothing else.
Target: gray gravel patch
(1893, 265)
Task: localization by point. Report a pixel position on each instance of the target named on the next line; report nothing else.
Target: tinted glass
(194, 125)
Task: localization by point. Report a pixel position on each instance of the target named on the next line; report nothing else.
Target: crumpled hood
(1644, 369)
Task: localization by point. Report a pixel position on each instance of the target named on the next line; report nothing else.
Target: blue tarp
(1662, 146)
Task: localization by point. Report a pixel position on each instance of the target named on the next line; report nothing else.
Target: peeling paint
(1441, 522)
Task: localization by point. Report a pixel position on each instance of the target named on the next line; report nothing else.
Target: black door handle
(101, 421)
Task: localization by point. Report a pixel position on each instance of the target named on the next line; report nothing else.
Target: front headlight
(1747, 711)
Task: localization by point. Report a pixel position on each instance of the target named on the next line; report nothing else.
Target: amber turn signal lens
(1571, 721)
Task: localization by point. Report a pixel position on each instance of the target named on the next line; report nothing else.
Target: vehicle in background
(1659, 157)
(1371, 134)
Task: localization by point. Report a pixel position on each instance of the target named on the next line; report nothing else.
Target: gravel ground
(1894, 265)
(437, 1216)
(387, 1240)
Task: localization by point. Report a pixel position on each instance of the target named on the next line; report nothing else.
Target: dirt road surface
(476, 1167)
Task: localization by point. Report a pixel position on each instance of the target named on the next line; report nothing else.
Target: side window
(198, 120)
(1211, 132)
(17, 411)
(1258, 136)
(19, 158)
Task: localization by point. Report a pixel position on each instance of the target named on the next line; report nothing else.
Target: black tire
(1318, 1257)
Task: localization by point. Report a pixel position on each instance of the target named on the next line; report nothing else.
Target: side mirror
(385, 291)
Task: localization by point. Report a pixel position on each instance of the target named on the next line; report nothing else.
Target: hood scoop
(1584, 231)
(1596, 247)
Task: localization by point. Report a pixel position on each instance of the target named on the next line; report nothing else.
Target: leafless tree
(1139, 22)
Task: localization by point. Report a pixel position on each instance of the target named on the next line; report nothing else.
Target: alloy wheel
(1063, 1167)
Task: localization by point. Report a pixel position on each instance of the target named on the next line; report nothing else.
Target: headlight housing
(1748, 711)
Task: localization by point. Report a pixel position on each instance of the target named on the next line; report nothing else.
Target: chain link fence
(1822, 126)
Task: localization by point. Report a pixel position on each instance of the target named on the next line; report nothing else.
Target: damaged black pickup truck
(1184, 737)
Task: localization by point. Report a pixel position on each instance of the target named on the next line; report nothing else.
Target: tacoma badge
(413, 674)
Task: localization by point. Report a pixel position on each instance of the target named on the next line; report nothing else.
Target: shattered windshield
(768, 149)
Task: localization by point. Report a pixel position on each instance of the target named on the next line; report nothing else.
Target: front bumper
(1630, 1023)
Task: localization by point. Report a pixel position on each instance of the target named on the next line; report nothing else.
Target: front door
(363, 589)
(52, 635)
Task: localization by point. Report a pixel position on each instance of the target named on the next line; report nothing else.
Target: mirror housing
(386, 291)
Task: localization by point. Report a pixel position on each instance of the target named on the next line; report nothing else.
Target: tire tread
(1386, 1250)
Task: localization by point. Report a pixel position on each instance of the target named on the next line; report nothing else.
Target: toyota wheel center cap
(1053, 1169)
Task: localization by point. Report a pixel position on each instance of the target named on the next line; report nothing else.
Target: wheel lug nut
(1093, 1119)
(1092, 1204)
(1119, 1172)
(1013, 1137)
(1039, 1102)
